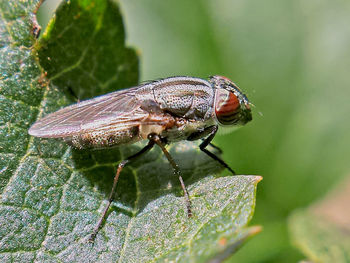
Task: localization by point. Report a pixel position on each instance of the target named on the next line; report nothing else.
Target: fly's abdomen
(104, 138)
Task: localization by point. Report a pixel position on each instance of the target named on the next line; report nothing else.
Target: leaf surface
(52, 196)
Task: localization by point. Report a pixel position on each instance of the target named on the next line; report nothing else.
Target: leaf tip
(258, 178)
(254, 230)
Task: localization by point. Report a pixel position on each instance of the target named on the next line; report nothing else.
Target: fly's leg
(214, 146)
(200, 134)
(121, 165)
(210, 154)
(157, 140)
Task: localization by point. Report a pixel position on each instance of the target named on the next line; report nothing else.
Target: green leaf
(52, 196)
(320, 240)
(84, 49)
(322, 231)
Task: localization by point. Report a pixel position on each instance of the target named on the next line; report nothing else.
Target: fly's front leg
(158, 141)
(121, 165)
(210, 154)
(203, 133)
(214, 146)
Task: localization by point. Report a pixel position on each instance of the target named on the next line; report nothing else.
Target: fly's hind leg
(158, 141)
(121, 165)
(207, 141)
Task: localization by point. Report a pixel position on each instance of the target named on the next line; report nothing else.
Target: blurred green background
(292, 59)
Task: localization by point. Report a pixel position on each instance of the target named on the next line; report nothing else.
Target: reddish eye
(226, 107)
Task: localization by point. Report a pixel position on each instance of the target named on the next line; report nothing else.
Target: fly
(162, 112)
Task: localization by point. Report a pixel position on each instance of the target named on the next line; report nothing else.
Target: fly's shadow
(148, 177)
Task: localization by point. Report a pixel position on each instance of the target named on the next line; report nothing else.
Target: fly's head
(231, 106)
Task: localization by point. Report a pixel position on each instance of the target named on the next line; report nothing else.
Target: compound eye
(227, 107)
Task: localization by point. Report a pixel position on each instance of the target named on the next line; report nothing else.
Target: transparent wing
(120, 108)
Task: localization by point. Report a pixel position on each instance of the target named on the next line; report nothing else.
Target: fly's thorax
(231, 106)
(187, 97)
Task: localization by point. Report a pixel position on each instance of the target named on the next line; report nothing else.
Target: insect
(162, 111)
